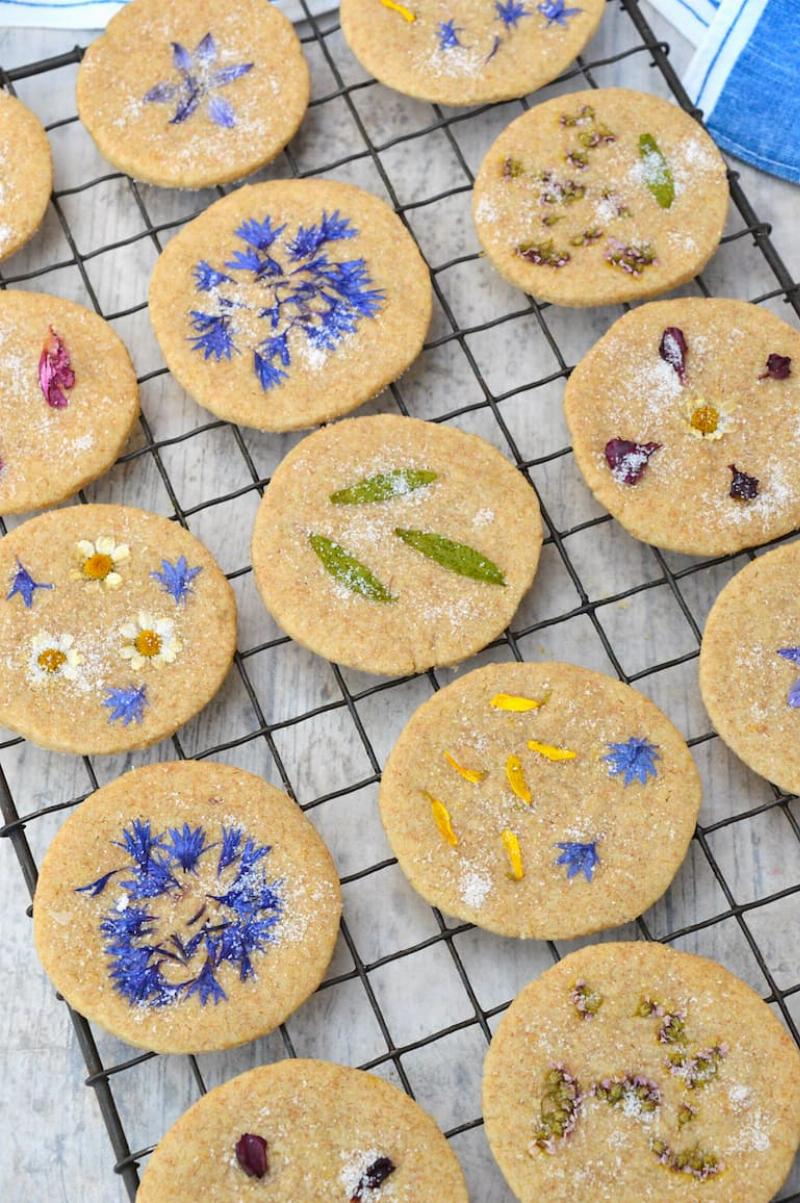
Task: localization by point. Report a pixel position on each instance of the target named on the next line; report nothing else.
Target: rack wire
(317, 33)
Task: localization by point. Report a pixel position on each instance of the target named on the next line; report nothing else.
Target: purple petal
(220, 111)
(206, 49)
(226, 75)
(251, 1153)
(779, 367)
(628, 461)
(160, 93)
(792, 654)
(181, 57)
(187, 106)
(672, 349)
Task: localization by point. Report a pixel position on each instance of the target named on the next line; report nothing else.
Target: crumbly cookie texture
(750, 666)
(187, 907)
(68, 399)
(289, 303)
(540, 800)
(116, 627)
(629, 1073)
(470, 53)
(305, 1131)
(598, 197)
(26, 174)
(684, 424)
(194, 92)
(390, 545)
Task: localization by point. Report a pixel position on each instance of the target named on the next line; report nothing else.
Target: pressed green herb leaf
(348, 571)
(657, 173)
(457, 557)
(384, 486)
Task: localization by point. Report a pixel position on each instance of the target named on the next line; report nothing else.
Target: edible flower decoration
(705, 419)
(633, 760)
(23, 584)
(743, 487)
(579, 858)
(176, 579)
(628, 460)
(98, 562)
(55, 371)
(53, 656)
(251, 1154)
(149, 640)
(199, 80)
(126, 705)
(373, 1178)
(792, 654)
(779, 367)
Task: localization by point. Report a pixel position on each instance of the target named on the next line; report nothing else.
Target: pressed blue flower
(126, 705)
(214, 337)
(239, 941)
(22, 583)
(207, 277)
(308, 240)
(557, 12)
(186, 846)
(198, 82)
(259, 234)
(792, 654)
(139, 842)
(206, 985)
(511, 12)
(268, 375)
(176, 579)
(96, 887)
(635, 760)
(448, 33)
(229, 850)
(153, 881)
(579, 858)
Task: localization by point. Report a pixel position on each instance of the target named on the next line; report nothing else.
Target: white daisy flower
(149, 640)
(98, 561)
(53, 656)
(706, 419)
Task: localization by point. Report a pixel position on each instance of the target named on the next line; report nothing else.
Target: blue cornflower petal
(176, 579)
(226, 75)
(579, 858)
(187, 106)
(186, 846)
(448, 33)
(634, 760)
(231, 838)
(792, 654)
(221, 113)
(556, 11)
(126, 705)
(259, 234)
(206, 49)
(22, 583)
(96, 887)
(181, 57)
(214, 337)
(206, 986)
(511, 12)
(207, 277)
(268, 376)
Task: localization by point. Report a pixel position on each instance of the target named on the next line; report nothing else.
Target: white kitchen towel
(95, 14)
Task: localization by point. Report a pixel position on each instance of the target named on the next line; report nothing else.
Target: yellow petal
(511, 845)
(404, 12)
(473, 775)
(441, 816)
(516, 779)
(551, 752)
(509, 701)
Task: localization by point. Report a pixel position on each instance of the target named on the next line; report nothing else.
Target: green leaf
(657, 173)
(457, 557)
(384, 486)
(348, 571)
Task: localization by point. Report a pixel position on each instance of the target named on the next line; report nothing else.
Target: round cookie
(304, 1131)
(598, 197)
(68, 399)
(684, 424)
(629, 1073)
(540, 800)
(187, 907)
(289, 303)
(470, 53)
(26, 174)
(116, 628)
(392, 545)
(749, 674)
(194, 92)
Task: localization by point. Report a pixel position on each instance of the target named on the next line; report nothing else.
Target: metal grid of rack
(317, 32)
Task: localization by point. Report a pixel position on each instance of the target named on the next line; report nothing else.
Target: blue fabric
(757, 115)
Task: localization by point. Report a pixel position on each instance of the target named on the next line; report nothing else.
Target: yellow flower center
(705, 419)
(52, 660)
(97, 567)
(148, 643)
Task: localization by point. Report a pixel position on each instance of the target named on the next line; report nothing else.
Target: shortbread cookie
(391, 545)
(684, 422)
(540, 800)
(116, 627)
(26, 174)
(602, 196)
(468, 53)
(750, 666)
(289, 303)
(68, 399)
(304, 1132)
(629, 1073)
(193, 92)
(187, 907)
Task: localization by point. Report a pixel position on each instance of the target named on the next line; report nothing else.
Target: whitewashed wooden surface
(53, 1147)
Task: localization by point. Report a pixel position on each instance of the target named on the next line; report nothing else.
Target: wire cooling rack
(739, 926)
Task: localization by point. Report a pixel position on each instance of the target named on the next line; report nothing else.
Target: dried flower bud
(251, 1153)
(673, 349)
(779, 367)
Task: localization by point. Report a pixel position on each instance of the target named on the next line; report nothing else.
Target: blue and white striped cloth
(745, 73)
(745, 76)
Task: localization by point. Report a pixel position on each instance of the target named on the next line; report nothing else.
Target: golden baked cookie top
(630, 1073)
(684, 422)
(186, 907)
(599, 197)
(469, 51)
(193, 92)
(26, 174)
(116, 628)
